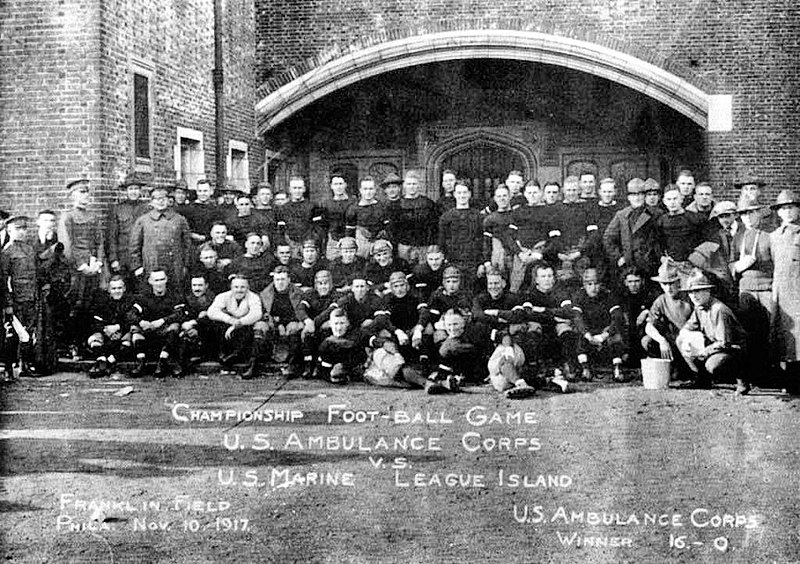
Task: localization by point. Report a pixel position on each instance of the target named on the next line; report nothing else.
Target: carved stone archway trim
(536, 47)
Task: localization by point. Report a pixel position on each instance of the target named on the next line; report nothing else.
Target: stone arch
(458, 142)
(283, 100)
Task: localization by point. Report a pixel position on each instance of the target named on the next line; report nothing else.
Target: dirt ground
(610, 473)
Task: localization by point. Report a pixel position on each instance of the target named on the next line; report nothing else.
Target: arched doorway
(481, 156)
(304, 88)
(483, 165)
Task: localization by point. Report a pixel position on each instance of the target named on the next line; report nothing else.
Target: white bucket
(656, 372)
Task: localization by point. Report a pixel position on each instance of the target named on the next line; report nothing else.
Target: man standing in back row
(79, 231)
(161, 240)
(417, 221)
(632, 237)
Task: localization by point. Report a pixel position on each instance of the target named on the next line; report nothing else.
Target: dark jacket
(638, 243)
(121, 218)
(161, 240)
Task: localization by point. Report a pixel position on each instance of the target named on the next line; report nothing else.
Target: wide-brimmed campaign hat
(785, 198)
(134, 179)
(744, 207)
(698, 281)
(666, 274)
(749, 179)
(722, 208)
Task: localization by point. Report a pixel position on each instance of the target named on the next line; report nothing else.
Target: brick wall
(67, 91)
(746, 48)
(50, 118)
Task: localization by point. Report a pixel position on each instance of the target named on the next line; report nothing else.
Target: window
(189, 156)
(238, 166)
(141, 116)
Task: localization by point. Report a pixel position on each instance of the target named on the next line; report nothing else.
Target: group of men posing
(537, 285)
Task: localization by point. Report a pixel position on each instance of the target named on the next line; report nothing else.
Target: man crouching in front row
(236, 315)
(712, 341)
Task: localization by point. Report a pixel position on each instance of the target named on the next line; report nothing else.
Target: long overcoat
(638, 243)
(785, 249)
(161, 240)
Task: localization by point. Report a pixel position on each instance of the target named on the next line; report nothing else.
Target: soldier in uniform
(54, 282)
(750, 188)
(18, 266)
(80, 232)
(5, 371)
(179, 196)
(121, 217)
(160, 239)
(785, 251)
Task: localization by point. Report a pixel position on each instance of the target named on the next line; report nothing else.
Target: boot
(95, 371)
(338, 374)
(176, 368)
(227, 359)
(742, 387)
(161, 367)
(617, 371)
(138, 369)
(181, 367)
(25, 370)
(558, 382)
(308, 367)
(253, 369)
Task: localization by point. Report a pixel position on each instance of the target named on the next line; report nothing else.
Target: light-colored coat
(785, 248)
